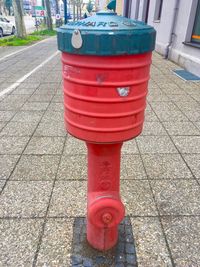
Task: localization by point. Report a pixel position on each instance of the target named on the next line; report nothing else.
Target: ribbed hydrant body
(106, 65)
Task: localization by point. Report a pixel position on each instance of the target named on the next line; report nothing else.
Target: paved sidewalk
(43, 173)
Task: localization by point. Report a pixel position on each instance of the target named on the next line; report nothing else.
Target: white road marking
(21, 50)
(14, 85)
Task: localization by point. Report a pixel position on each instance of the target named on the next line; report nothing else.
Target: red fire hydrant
(106, 60)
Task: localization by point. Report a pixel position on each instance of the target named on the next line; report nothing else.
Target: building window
(196, 29)
(158, 10)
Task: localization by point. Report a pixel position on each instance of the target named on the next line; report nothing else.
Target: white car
(6, 27)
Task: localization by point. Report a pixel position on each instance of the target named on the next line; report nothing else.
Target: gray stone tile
(191, 109)
(58, 98)
(59, 107)
(18, 129)
(74, 146)
(181, 128)
(28, 116)
(187, 144)
(153, 128)
(7, 164)
(157, 96)
(155, 144)
(10, 105)
(2, 124)
(40, 98)
(35, 106)
(132, 167)
(167, 111)
(151, 248)
(193, 161)
(25, 199)
(137, 198)
(55, 249)
(28, 85)
(73, 167)
(197, 124)
(2, 182)
(69, 199)
(53, 128)
(177, 197)
(45, 145)
(150, 115)
(166, 166)
(6, 115)
(51, 116)
(130, 147)
(12, 144)
(183, 236)
(36, 168)
(23, 91)
(18, 241)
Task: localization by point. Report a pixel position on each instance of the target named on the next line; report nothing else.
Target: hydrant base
(102, 238)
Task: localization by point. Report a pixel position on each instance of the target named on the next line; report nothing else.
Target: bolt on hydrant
(106, 63)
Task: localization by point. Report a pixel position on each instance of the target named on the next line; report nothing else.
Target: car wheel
(1, 33)
(13, 31)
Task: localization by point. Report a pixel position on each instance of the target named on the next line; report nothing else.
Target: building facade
(177, 23)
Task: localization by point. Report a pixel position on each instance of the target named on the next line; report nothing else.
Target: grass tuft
(44, 33)
(15, 41)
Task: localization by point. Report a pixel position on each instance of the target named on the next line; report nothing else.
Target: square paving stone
(74, 146)
(51, 116)
(6, 115)
(18, 129)
(137, 198)
(150, 114)
(36, 106)
(193, 161)
(181, 128)
(150, 243)
(132, 167)
(2, 124)
(45, 145)
(25, 199)
(52, 128)
(58, 98)
(7, 164)
(2, 183)
(130, 147)
(56, 107)
(187, 144)
(155, 144)
(153, 128)
(36, 168)
(40, 98)
(56, 248)
(183, 236)
(12, 144)
(23, 91)
(28, 116)
(69, 199)
(73, 167)
(18, 241)
(167, 111)
(166, 166)
(11, 105)
(28, 85)
(177, 197)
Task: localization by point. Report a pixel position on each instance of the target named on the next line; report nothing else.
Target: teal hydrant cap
(106, 34)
